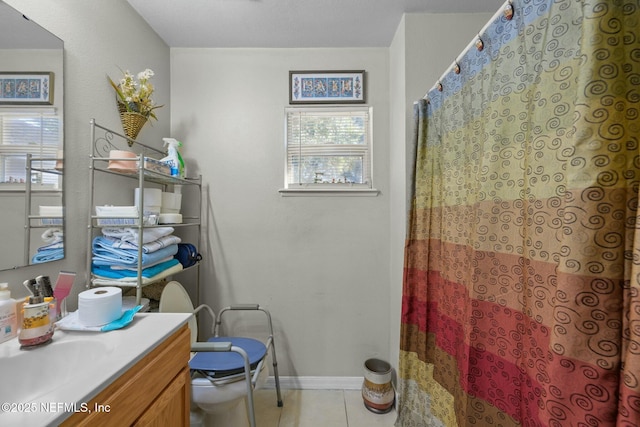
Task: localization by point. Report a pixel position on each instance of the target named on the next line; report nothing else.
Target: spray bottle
(174, 159)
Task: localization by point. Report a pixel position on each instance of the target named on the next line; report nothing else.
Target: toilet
(221, 405)
(219, 385)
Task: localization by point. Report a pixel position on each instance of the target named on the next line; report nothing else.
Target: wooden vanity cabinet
(154, 392)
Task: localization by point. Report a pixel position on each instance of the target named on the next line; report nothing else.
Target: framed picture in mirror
(26, 88)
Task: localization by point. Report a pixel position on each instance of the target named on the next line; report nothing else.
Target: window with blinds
(328, 147)
(22, 133)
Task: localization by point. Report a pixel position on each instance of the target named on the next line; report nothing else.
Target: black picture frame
(327, 87)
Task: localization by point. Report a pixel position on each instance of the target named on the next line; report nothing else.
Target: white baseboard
(316, 383)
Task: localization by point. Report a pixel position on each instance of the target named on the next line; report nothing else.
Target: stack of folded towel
(116, 256)
(53, 248)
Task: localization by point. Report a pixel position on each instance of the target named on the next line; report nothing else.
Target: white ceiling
(290, 23)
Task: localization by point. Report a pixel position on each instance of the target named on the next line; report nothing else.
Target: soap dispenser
(8, 318)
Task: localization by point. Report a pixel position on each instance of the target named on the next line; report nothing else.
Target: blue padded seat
(223, 364)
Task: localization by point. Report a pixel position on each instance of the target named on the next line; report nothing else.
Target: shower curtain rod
(470, 45)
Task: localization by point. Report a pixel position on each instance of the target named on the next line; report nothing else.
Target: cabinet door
(150, 382)
(171, 408)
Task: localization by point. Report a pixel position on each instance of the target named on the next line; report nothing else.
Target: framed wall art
(26, 88)
(326, 87)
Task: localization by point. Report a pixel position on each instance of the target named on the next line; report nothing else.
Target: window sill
(334, 191)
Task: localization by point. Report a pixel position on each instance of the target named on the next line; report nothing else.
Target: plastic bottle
(8, 318)
(174, 159)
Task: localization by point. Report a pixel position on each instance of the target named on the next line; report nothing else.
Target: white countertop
(44, 385)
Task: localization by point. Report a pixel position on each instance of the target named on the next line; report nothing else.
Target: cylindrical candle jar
(36, 324)
(377, 390)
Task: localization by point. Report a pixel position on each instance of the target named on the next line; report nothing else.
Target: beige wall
(320, 264)
(397, 183)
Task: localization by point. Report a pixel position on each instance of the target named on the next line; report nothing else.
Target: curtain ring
(479, 44)
(508, 11)
(456, 68)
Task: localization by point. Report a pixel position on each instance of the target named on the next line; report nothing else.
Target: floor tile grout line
(346, 409)
(281, 412)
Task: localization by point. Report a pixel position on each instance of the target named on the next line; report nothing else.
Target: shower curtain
(521, 288)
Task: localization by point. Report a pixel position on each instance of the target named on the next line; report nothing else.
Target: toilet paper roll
(99, 306)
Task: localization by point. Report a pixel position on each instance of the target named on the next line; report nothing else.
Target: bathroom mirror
(31, 142)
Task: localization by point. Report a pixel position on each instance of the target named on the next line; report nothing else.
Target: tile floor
(317, 408)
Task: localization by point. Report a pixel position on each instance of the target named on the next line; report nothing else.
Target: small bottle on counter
(8, 318)
(36, 323)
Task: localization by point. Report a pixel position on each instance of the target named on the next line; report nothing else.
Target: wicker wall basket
(132, 123)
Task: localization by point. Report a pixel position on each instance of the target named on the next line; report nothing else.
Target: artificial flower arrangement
(135, 95)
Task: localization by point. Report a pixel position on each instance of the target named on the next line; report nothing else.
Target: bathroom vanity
(138, 375)
(155, 391)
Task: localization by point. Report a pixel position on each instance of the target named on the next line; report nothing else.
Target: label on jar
(35, 322)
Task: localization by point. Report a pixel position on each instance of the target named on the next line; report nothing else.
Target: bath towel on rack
(127, 280)
(153, 246)
(53, 235)
(129, 234)
(46, 255)
(135, 267)
(51, 246)
(106, 255)
(110, 273)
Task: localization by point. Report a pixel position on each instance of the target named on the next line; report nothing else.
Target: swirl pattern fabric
(521, 289)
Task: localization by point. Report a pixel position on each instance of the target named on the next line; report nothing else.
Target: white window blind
(328, 147)
(28, 132)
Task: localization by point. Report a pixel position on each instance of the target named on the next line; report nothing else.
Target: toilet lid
(224, 363)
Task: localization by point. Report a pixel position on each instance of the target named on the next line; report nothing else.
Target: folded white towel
(131, 234)
(53, 235)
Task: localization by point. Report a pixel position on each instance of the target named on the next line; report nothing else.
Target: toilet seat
(223, 364)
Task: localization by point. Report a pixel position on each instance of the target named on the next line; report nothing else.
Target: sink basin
(37, 371)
